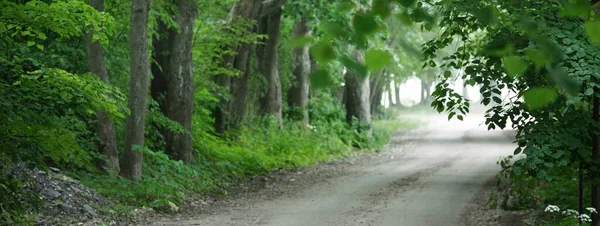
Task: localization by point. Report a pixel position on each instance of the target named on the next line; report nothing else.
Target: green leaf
(559, 75)
(447, 74)
(589, 92)
(300, 41)
(319, 79)
(30, 43)
(345, 6)
(41, 35)
(486, 15)
(514, 65)
(497, 99)
(406, 3)
(576, 9)
(592, 28)
(517, 150)
(405, 18)
(354, 66)
(40, 46)
(377, 59)
(538, 97)
(539, 58)
(323, 53)
(364, 23)
(381, 8)
(335, 30)
(460, 117)
(451, 115)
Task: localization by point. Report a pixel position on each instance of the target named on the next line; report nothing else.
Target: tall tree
(106, 130)
(131, 166)
(229, 112)
(174, 78)
(298, 93)
(268, 64)
(358, 101)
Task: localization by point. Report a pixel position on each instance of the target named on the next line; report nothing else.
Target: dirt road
(427, 177)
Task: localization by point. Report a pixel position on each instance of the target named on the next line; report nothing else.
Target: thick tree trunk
(159, 69)
(299, 90)
(131, 166)
(229, 113)
(176, 80)
(106, 130)
(358, 104)
(268, 59)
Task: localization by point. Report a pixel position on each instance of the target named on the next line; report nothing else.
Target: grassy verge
(526, 192)
(255, 149)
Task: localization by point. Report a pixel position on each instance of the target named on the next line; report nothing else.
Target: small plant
(569, 216)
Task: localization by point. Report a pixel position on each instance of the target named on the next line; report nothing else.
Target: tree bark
(230, 111)
(376, 92)
(376, 99)
(105, 130)
(398, 94)
(299, 91)
(268, 59)
(176, 79)
(390, 94)
(422, 92)
(358, 104)
(131, 166)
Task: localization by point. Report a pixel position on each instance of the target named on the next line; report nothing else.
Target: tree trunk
(229, 113)
(131, 166)
(427, 91)
(299, 90)
(106, 130)
(374, 83)
(376, 99)
(390, 94)
(358, 104)
(174, 57)
(398, 94)
(268, 59)
(376, 92)
(422, 92)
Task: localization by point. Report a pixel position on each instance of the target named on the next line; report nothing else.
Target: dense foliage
(52, 106)
(545, 55)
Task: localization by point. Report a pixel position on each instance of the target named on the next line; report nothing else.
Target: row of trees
(172, 69)
(93, 86)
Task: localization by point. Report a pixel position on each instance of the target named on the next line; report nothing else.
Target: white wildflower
(585, 218)
(591, 210)
(571, 213)
(552, 209)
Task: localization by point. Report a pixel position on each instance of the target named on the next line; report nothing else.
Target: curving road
(427, 178)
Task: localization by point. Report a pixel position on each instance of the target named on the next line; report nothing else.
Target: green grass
(256, 149)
